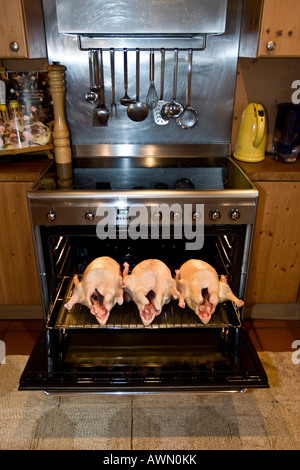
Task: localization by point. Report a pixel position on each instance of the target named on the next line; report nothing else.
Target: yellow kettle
(251, 141)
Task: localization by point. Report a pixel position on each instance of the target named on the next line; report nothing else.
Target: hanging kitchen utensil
(152, 97)
(189, 117)
(137, 111)
(173, 109)
(113, 104)
(158, 119)
(101, 113)
(126, 100)
(92, 96)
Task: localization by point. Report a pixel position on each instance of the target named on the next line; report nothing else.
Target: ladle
(101, 112)
(137, 111)
(92, 96)
(158, 119)
(173, 109)
(126, 100)
(189, 117)
(152, 97)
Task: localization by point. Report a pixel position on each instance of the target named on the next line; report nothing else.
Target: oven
(144, 191)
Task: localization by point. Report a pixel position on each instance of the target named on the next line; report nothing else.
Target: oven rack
(127, 315)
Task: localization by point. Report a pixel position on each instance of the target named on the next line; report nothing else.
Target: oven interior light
(58, 243)
(227, 241)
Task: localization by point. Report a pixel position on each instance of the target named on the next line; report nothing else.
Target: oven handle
(142, 392)
(245, 261)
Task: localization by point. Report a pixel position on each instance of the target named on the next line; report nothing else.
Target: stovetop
(148, 173)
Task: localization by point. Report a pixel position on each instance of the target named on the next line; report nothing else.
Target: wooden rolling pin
(61, 140)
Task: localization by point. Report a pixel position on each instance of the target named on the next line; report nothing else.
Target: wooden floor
(267, 335)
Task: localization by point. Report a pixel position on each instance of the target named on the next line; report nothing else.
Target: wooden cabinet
(280, 29)
(274, 270)
(18, 272)
(270, 28)
(22, 29)
(19, 281)
(275, 262)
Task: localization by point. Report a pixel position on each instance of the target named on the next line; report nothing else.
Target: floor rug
(258, 419)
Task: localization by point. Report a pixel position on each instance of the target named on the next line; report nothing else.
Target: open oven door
(144, 360)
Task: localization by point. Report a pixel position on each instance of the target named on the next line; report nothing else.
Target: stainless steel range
(140, 191)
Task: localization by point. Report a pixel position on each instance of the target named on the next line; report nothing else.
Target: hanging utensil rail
(142, 49)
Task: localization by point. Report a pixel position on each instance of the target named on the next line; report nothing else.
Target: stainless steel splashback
(212, 90)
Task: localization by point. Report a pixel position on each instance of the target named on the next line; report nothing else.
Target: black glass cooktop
(154, 174)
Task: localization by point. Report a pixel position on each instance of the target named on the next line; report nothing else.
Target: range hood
(142, 18)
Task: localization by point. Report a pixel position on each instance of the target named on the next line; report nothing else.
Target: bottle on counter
(3, 114)
(15, 124)
(3, 123)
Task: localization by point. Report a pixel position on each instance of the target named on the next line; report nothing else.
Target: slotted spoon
(158, 119)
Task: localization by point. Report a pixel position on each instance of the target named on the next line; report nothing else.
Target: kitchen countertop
(23, 168)
(271, 170)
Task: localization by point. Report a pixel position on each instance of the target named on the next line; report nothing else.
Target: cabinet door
(18, 272)
(274, 273)
(12, 29)
(280, 25)
(22, 32)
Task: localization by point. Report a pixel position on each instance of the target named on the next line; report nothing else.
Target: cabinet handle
(271, 46)
(14, 46)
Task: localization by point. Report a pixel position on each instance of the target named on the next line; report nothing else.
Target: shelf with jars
(26, 113)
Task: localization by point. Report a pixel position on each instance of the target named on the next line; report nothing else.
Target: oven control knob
(196, 216)
(157, 216)
(214, 215)
(234, 214)
(175, 215)
(51, 216)
(89, 215)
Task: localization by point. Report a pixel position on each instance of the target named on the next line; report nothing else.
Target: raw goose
(200, 288)
(100, 288)
(151, 286)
